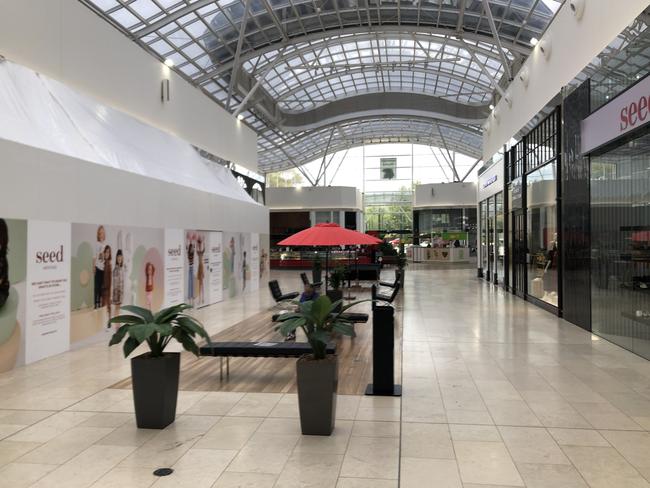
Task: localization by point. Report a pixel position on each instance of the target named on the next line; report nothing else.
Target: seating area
(254, 356)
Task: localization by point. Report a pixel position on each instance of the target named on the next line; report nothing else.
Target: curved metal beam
(486, 87)
(348, 140)
(372, 105)
(340, 145)
(372, 32)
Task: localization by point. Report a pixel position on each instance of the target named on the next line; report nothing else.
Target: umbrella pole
(327, 268)
(356, 264)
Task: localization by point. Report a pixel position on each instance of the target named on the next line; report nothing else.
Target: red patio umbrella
(328, 235)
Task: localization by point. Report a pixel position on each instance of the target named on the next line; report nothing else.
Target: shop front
(533, 188)
(491, 247)
(519, 217)
(616, 137)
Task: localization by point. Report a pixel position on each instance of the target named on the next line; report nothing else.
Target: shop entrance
(519, 253)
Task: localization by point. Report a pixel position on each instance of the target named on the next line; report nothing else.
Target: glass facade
(433, 222)
(499, 243)
(541, 215)
(484, 238)
(620, 245)
(492, 242)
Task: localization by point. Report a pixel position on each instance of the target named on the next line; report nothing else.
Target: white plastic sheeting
(38, 111)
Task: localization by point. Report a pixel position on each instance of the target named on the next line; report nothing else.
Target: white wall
(67, 41)
(316, 197)
(42, 185)
(445, 195)
(574, 44)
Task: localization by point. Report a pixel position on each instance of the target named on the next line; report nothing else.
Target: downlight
(577, 7)
(496, 113)
(546, 47)
(524, 76)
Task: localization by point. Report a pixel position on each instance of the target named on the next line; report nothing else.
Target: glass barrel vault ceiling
(294, 58)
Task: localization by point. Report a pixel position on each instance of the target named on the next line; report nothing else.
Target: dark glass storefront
(620, 245)
(576, 204)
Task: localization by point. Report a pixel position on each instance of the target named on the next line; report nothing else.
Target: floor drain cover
(163, 471)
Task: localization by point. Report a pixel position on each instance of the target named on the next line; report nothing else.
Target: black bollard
(383, 358)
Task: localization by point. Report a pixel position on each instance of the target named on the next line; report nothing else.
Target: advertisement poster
(113, 266)
(215, 242)
(236, 263)
(13, 273)
(265, 263)
(47, 329)
(196, 268)
(174, 267)
(255, 262)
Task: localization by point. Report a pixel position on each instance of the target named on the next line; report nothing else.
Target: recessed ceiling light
(491, 106)
(169, 63)
(240, 117)
(533, 41)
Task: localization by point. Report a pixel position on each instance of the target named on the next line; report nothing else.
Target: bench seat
(357, 318)
(257, 350)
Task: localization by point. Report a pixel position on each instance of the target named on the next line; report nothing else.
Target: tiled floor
(497, 393)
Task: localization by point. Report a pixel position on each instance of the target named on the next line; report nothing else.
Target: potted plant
(317, 373)
(155, 373)
(317, 269)
(336, 279)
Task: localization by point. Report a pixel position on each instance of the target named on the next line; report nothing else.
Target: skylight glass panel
(145, 8)
(125, 18)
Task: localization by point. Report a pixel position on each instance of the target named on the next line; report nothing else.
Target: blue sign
(490, 181)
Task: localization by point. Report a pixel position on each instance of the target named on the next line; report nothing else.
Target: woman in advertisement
(200, 272)
(98, 266)
(118, 281)
(4, 263)
(190, 268)
(149, 271)
(243, 269)
(108, 279)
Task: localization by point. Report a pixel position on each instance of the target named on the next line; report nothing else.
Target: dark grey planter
(317, 384)
(316, 275)
(335, 295)
(155, 389)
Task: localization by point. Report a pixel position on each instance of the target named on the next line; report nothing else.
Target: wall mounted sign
(490, 181)
(493, 179)
(625, 113)
(388, 168)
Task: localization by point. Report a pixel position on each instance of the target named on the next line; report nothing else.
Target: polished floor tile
(486, 462)
(419, 472)
(496, 393)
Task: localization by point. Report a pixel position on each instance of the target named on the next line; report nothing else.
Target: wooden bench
(257, 350)
(357, 318)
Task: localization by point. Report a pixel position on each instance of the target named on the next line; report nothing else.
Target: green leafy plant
(387, 249)
(157, 330)
(319, 320)
(337, 277)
